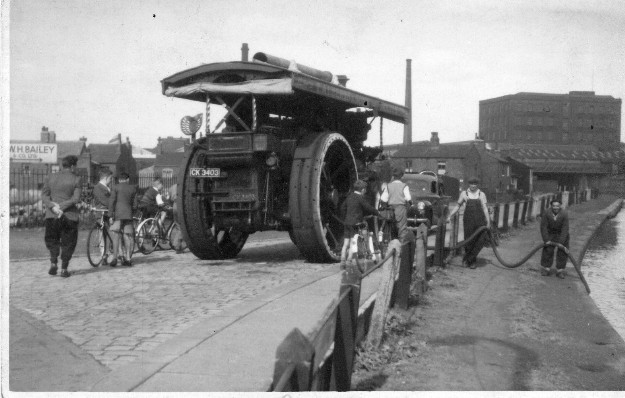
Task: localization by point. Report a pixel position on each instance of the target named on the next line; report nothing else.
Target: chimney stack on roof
(48, 137)
(434, 138)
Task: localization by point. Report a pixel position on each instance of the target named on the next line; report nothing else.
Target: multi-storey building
(579, 118)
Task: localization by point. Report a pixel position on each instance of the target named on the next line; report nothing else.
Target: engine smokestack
(408, 125)
(244, 52)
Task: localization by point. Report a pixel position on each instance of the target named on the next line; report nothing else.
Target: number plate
(209, 173)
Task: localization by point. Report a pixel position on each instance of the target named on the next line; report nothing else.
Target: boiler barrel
(283, 63)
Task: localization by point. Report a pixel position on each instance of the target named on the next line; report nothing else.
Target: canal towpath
(495, 328)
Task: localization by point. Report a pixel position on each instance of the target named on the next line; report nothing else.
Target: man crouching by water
(554, 228)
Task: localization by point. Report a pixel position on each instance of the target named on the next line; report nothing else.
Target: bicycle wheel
(98, 245)
(387, 230)
(148, 234)
(175, 238)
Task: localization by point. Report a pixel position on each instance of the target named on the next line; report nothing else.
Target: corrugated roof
(169, 159)
(576, 167)
(104, 153)
(529, 153)
(448, 151)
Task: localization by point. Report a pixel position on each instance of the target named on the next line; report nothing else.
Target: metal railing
(26, 207)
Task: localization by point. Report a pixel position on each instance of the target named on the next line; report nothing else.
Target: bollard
(506, 211)
(495, 217)
(515, 216)
(524, 212)
(420, 260)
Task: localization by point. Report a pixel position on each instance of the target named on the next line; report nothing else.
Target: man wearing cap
(475, 216)
(60, 193)
(554, 228)
(397, 195)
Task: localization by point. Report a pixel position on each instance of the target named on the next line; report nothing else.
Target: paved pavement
(118, 314)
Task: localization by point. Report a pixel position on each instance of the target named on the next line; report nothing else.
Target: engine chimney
(244, 52)
(408, 125)
(342, 80)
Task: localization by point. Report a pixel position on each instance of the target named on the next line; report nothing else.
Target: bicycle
(99, 241)
(387, 230)
(150, 235)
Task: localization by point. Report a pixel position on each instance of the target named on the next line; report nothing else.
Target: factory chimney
(408, 125)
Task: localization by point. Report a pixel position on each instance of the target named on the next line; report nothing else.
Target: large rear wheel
(322, 174)
(194, 214)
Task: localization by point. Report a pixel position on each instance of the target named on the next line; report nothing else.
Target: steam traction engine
(285, 160)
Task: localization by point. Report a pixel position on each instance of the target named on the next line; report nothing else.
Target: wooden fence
(323, 361)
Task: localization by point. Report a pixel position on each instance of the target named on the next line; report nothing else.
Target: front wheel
(175, 238)
(98, 245)
(148, 235)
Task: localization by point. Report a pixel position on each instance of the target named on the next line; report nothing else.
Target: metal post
(254, 120)
(506, 215)
(208, 114)
(381, 129)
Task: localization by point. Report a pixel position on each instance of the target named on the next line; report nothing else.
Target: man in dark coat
(60, 194)
(102, 190)
(554, 227)
(354, 208)
(121, 205)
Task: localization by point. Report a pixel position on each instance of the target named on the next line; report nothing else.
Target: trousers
(61, 236)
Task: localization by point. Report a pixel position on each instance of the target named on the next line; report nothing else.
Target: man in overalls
(475, 216)
(397, 195)
(554, 227)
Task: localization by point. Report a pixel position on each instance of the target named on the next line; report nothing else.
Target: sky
(93, 68)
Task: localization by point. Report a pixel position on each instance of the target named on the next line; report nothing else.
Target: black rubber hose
(482, 229)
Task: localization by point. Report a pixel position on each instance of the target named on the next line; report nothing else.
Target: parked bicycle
(387, 229)
(100, 242)
(151, 233)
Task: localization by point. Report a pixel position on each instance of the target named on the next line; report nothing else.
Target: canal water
(604, 269)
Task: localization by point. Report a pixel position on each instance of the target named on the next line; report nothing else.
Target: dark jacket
(555, 229)
(63, 188)
(149, 197)
(123, 200)
(355, 208)
(101, 196)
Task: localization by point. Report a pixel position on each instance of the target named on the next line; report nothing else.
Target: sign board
(33, 152)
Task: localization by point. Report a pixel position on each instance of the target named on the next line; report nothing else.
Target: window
(565, 124)
(55, 168)
(549, 135)
(442, 167)
(565, 137)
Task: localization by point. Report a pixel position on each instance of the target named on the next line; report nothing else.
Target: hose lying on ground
(559, 246)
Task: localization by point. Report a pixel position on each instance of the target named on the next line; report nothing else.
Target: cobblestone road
(116, 314)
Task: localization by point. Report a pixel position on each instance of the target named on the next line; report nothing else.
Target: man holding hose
(554, 228)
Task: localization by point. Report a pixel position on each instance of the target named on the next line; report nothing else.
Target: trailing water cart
(285, 160)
